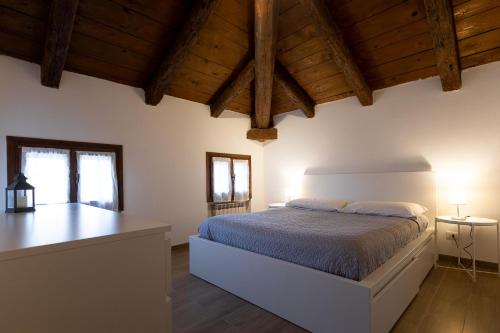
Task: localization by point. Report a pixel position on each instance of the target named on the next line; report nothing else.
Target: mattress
(347, 245)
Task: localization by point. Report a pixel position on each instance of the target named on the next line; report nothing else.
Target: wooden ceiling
(199, 50)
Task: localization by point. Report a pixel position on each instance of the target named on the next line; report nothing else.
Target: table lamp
(458, 198)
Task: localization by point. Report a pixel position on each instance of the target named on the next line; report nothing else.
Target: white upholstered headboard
(416, 187)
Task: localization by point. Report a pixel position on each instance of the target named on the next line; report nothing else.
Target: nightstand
(473, 223)
(276, 205)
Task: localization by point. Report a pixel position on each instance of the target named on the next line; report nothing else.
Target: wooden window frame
(210, 155)
(15, 144)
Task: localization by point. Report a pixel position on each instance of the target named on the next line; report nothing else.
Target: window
(67, 171)
(47, 170)
(97, 184)
(229, 177)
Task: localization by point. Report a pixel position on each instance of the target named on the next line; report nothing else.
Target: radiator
(220, 208)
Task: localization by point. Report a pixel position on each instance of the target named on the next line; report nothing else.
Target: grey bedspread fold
(347, 245)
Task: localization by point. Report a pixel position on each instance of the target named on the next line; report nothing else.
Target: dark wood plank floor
(448, 302)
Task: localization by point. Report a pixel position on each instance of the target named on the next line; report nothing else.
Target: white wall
(457, 133)
(164, 146)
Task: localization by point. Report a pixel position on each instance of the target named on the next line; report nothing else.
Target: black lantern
(19, 195)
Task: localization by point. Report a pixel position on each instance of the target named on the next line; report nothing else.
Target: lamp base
(459, 218)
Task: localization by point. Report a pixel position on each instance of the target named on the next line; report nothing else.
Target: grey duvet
(347, 245)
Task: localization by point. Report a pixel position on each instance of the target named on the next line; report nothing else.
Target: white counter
(76, 268)
(54, 227)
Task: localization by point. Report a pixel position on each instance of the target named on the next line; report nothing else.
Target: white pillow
(329, 205)
(385, 208)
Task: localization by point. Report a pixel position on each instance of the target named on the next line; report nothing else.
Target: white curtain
(97, 182)
(47, 169)
(241, 170)
(221, 182)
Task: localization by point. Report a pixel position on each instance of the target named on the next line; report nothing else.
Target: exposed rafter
(293, 90)
(232, 89)
(440, 19)
(189, 49)
(58, 37)
(266, 20)
(187, 37)
(326, 27)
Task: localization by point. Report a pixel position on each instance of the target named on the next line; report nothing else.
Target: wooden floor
(448, 302)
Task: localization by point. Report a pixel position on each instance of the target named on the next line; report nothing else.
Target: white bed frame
(319, 301)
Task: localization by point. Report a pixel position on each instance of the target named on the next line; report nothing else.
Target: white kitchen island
(75, 268)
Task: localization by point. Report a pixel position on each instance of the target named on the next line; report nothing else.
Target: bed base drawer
(390, 303)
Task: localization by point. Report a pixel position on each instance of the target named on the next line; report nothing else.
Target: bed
(350, 280)
(347, 245)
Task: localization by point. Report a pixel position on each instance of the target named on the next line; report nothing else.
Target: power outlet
(450, 235)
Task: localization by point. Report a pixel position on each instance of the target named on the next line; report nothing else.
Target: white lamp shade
(457, 197)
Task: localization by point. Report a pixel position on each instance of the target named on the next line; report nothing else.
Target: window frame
(209, 157)
(15, 144)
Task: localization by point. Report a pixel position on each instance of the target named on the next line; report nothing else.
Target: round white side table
(473, 223)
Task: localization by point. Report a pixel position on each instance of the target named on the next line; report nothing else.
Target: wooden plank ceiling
(126, 41)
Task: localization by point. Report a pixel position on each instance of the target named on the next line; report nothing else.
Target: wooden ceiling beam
(58, 37)
(299, 97)
(262, 134)
(265, 33)
(326, 27)
(440, 19)
(187, 37)
(237, 83)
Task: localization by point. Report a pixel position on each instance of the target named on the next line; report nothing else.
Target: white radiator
(220, 208)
